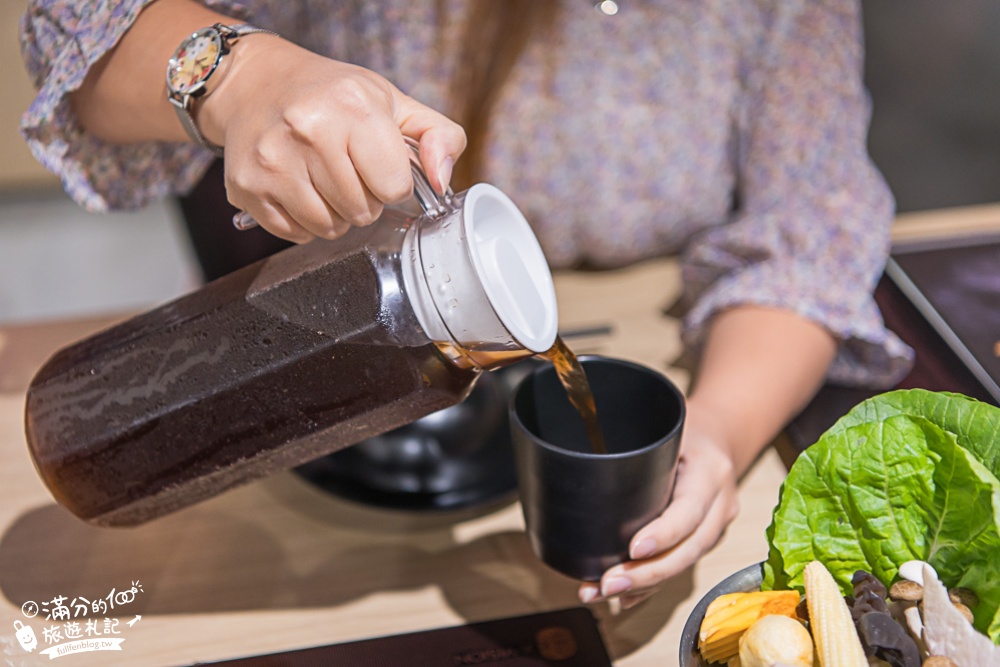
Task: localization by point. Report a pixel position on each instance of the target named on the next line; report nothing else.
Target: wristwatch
(197, 67)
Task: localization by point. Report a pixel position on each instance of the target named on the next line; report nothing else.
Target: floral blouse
(730, 133)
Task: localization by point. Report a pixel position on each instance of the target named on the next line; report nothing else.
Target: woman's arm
(761, 366)
(313, 145)
(124, 96)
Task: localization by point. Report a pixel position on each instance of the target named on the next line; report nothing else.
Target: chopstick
(587, 331)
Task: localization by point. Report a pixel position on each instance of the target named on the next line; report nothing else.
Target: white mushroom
(915, 626)
(913, 570)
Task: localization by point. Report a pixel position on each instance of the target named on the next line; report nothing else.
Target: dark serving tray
(955, 284)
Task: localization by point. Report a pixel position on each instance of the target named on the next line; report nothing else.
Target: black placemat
(562, 638)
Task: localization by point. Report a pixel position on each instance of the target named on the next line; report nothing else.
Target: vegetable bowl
(907, 477)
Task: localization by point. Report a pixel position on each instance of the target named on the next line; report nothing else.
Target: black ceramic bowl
(746, 580)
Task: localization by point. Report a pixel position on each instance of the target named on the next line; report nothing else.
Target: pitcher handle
(430, 202)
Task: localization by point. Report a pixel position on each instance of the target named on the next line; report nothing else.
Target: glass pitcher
(298, 355)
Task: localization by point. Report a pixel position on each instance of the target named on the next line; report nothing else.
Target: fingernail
(243, 221)
(644, 548)
(588, 595)
(444, 173)
(629, 601)
(615, 585)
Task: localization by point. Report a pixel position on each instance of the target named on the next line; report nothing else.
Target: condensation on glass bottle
(299, 355)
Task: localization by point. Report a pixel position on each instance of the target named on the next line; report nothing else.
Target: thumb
(441, 140)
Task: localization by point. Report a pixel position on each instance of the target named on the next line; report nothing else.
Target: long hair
(495, 35)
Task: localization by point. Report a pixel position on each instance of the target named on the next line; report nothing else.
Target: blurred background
(933, 70)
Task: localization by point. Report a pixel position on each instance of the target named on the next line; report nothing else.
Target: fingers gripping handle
(431, 202)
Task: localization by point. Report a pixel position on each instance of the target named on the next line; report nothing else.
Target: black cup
(582, 508)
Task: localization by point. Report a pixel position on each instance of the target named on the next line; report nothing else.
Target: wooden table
(278, 565)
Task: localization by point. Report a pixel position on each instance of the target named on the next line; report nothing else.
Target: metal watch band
(187, 122)
(182, 107)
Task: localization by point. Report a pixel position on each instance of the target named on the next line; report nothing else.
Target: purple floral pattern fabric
(730, 133)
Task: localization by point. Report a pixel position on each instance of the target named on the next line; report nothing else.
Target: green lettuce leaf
(966, 553)
(884, 486)
(849, 501)
(974, 423)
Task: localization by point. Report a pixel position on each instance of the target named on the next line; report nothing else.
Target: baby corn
(837, 643)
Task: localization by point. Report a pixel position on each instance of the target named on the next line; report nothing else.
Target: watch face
(194, 61)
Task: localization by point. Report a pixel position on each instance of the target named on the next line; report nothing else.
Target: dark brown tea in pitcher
(573, 378)
(263, 369)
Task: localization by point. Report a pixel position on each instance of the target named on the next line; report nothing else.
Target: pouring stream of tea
(573, 378)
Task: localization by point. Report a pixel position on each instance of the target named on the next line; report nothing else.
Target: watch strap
(231, 31)
(187, 122)
(229, 35)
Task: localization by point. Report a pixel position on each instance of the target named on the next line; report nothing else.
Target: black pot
(455, 458)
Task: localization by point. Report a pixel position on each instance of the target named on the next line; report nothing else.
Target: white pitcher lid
(511, 266)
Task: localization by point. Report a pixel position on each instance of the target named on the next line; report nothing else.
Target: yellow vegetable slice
(729, 615)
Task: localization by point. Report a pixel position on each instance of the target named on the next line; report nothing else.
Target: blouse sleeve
(811, 229)
(60, 40)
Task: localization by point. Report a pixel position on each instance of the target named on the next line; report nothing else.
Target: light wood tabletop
(278, 564)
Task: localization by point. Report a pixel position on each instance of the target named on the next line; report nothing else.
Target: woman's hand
(313, 145)
(704, 502)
